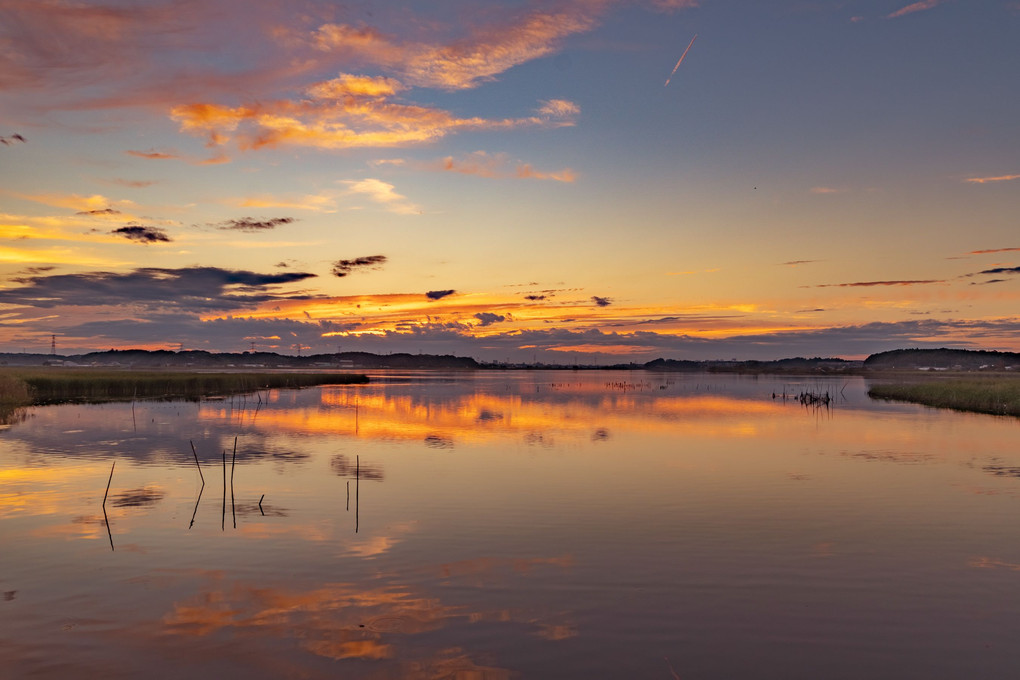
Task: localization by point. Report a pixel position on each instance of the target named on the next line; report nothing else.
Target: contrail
(681, 60)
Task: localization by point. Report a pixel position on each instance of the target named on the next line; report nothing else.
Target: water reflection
(511, 525)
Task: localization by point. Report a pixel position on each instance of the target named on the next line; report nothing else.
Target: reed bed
(998, 396)
(48, 386)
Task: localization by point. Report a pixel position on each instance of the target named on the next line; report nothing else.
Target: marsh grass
(22, 387)
(998, 395)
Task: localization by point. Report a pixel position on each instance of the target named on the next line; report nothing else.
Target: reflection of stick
(223, 515)
(260, 506)
(196, 461)
(348, 496)
(106, 520)
(197, 500)
(357, 485)
(681, 60)
(108, 483)
(233, 510)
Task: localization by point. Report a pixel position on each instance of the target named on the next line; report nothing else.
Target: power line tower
(53, 344)
(253, 347)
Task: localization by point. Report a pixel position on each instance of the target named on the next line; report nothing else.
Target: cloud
(382, 192)
(525, 171)
(535, 298)
(252, 225)
(999, 270)
(324, 202)
(488, 318)
(826, 190)
(601, 301)
(483, 164)
(81, 204)
(673, 5)
(869, 284)
(347, 112)
(132, 183)
(794, 263)
(993, 250)
(342, 268)
(986, 180)
(216, 159)
(465, 63)
(438, 294)
(142, 234)
(154, 155)
(101, 211)
(916, 7)
(197, 289)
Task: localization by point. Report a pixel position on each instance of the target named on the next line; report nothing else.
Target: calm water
(513, 525)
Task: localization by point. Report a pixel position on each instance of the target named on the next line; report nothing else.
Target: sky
(522, 181)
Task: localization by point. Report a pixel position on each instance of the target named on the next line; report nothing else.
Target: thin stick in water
(357, 486)
(260, 506)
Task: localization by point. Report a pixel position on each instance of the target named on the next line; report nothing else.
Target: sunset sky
(510, 180)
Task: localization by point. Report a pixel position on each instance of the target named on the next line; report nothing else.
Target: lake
(497, 525)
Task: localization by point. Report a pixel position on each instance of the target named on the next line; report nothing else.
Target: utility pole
(53, 344)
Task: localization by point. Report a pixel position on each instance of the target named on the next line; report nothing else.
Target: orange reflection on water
(348, 621)
(482, 417)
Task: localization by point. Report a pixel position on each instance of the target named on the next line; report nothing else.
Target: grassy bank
(54, 385)
(999, 396)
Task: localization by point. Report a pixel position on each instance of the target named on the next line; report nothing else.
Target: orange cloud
(993, 250)
(465, 63)
(95, 202)
(986, 180)
(483, 164)
(916, 7)
(349, 111)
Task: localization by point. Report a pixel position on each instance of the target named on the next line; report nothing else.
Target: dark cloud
(7, 141)
(794, 263)
(985, 283)
(869, 284)
(195, 289)
(153, 155)
(535, 298)
(601, 301)
(33, 271)
(808, 311)
(993, 250)
(104, 211)
(999, 270)
(225, 334)
(342, 268)
(438, 294)
(250, 224)
(143, 234)
(488, 318)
